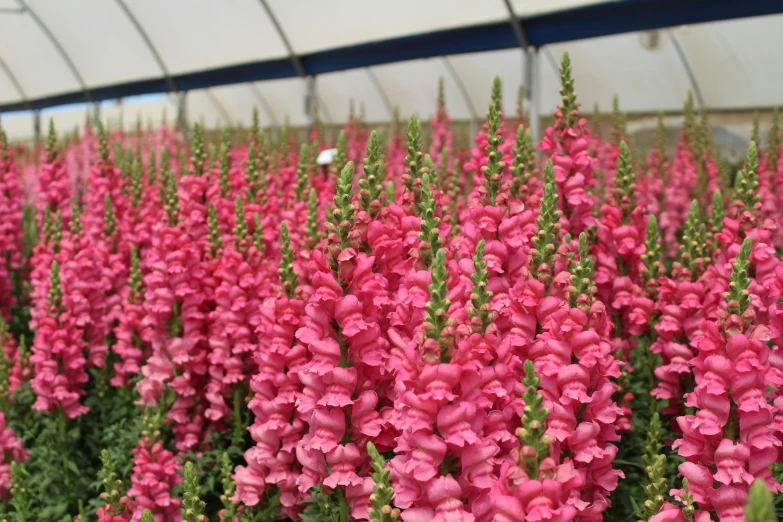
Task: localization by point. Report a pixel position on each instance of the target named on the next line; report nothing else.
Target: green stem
(620, 462)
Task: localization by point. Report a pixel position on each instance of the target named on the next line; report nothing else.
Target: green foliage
(342, 215)
(655, 466)
(198, 156)
(747, 182)
(152, 168)
(52, 149)
(312, 218)
(430, 233)
(171, 201)
(438, 306)
(523, 164)
(113, 487)
(371, 185)
(109, 218)
(693, 248)
(480, 296)
(568, 106)
(651, 259)
(413, 160)
(493, 170)
(103, 144)
(531, 434)
(323, 507)
(229, 488)
(718, 212)
(738, 297)
(341, 158)
(134, 280)
(146, 516)
(544, 240)
(761, 503)
(582, 273)
(240, 226)
(497, 93)
(76, 216)
(619, 131)
(624, 183)
(382, 493)
(288, 277)
(55, 287)
(192, 505)
(214, 232)
(252, 173)
(302, 177)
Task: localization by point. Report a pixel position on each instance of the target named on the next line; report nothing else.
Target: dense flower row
(454, 335)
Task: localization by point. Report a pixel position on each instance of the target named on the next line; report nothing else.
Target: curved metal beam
(263, 103)
(219, 106)
(463, 92)
(60, 49)
(153, 50)
(14, 80)
(688, 69)
(519, 32)
(295, 61)
(384, 95)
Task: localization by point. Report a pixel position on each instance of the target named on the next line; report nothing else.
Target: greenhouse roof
(232, 54)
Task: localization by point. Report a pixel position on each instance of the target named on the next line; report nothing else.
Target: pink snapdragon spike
(566, 144)
(731, 364)
(11, 451)
(681, 182)
(55, 186)
(11, 230)
(155, 473)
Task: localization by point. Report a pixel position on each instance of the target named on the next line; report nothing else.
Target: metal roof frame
(603, 19)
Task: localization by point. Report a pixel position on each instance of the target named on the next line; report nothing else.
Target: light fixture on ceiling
(650, 40)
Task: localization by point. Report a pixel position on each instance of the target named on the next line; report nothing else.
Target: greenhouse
(451, 261)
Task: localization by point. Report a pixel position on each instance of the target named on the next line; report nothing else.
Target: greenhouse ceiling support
(312, 96)
(591, 21)
(172, 85)
(532, 85)
(264, 104)
(382, 92)
(14, 80)
(60, 49)
(474, 118)
(686, 64)
(219, 106)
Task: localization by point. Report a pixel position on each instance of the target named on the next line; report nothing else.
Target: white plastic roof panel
(478, 70)
(526, 8)
(285, 98)
(25, 49)
(193, 35)
(8, 92)
(348, 22)
(66, 118)
(336, 90)
(736, 62)
(18, 125)
(100, 40)
(413, 87)
(645, 80)
(131, 110)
